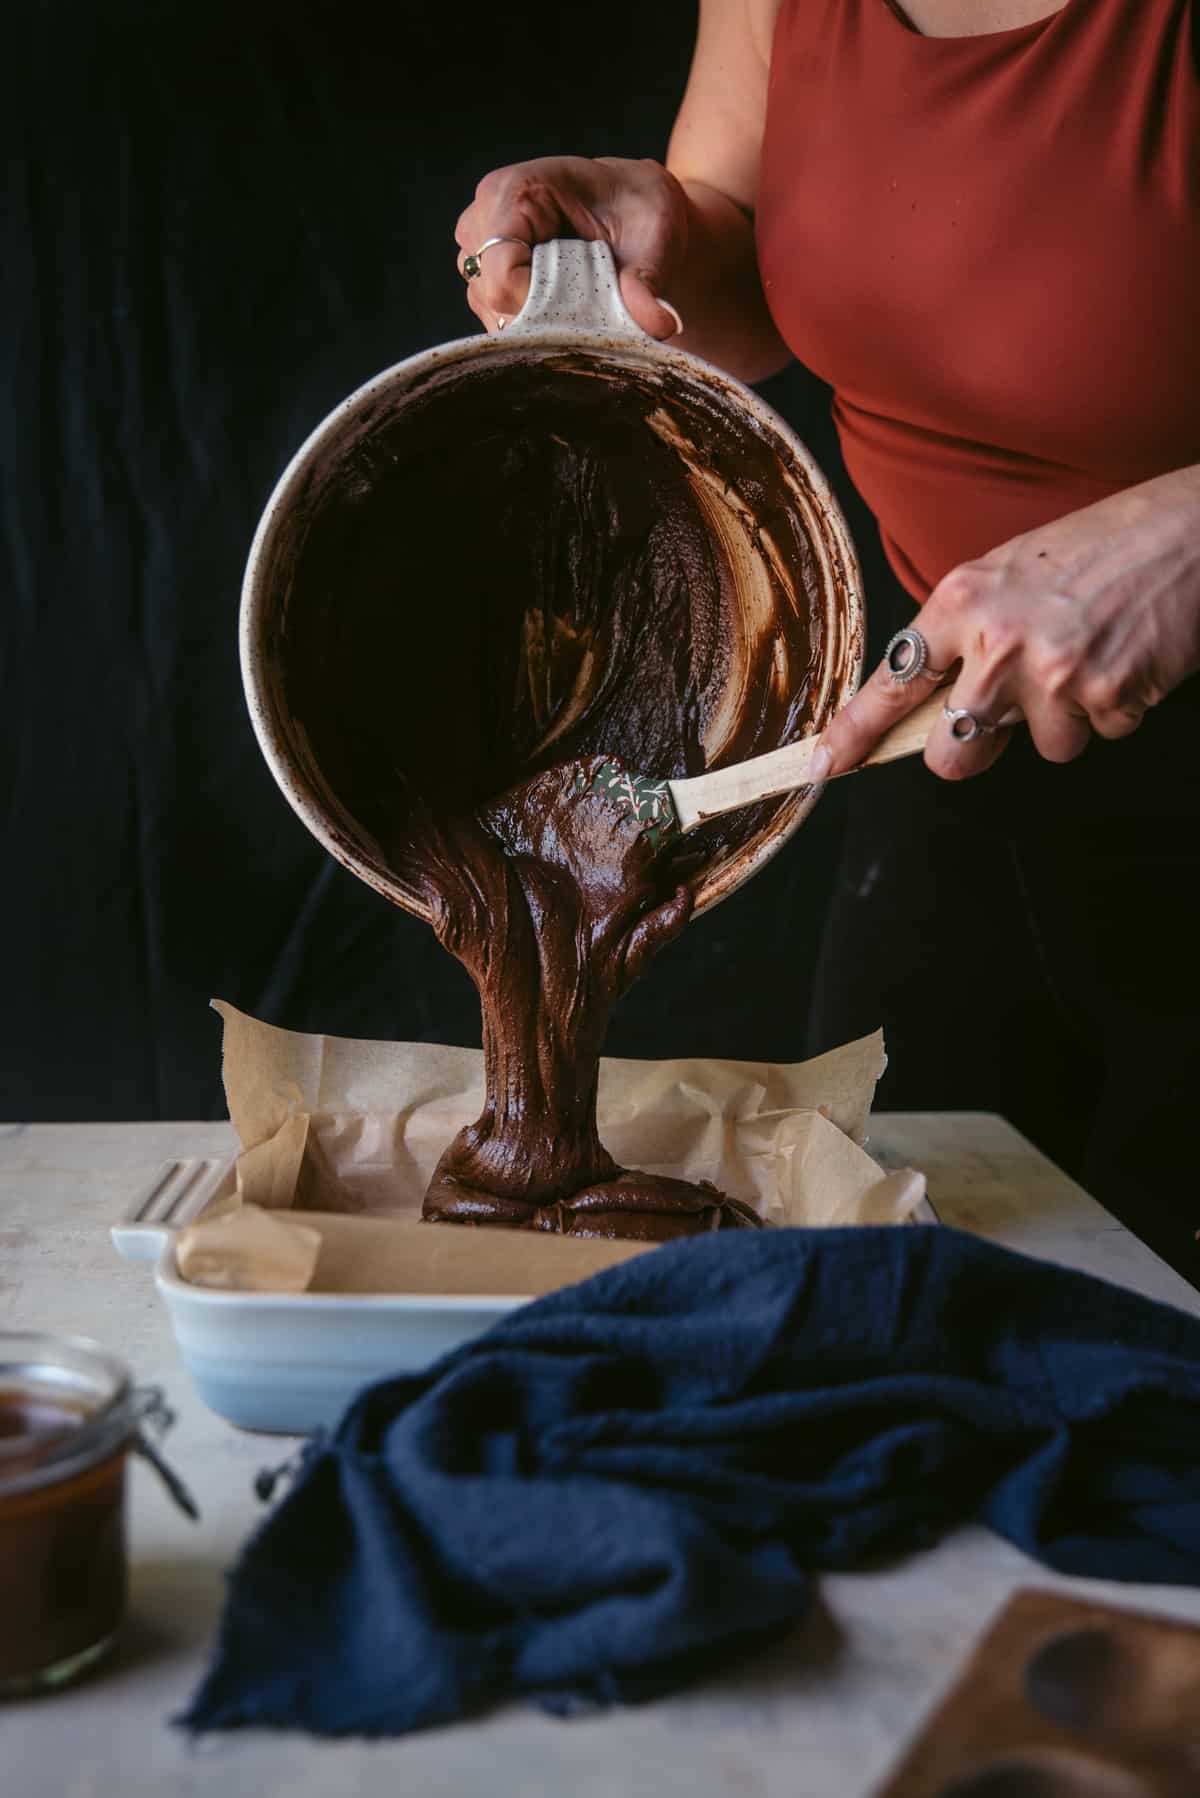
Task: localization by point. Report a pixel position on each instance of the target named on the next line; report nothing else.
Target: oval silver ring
(473, 264)
(964, 725)
(907, 656)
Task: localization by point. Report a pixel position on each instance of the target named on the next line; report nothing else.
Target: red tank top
(990, 248)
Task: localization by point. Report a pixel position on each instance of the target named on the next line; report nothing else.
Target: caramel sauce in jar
(65, 1430)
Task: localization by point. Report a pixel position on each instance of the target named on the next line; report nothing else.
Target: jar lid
(65, 1404)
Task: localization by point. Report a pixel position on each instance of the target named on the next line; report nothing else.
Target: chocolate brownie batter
(497, 584)
(552, 901)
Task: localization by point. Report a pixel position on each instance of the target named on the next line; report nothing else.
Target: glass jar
(69, 1414)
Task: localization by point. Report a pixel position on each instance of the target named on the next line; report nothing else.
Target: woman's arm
(684, 232)
(1082, 625)
(714, 154)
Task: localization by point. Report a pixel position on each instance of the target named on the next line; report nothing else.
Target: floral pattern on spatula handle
(634, 796)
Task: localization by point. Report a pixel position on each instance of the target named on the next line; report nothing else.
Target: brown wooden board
(1065, 1699)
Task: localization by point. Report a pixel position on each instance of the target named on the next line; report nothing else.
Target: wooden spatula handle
(908, 737)
(725, 789)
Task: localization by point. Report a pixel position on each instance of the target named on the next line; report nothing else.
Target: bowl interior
(487, 563)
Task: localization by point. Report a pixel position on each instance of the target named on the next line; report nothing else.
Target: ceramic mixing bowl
(498, 539)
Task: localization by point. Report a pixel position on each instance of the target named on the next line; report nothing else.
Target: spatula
(670, 808)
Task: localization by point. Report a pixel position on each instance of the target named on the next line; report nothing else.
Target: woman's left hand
(1079, 626)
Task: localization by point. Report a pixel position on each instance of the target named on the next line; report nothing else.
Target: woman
(979, 221)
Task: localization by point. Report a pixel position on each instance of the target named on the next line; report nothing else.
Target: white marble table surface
(825, 1714)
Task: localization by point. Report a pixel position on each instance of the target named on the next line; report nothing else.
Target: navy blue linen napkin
(634, 1477)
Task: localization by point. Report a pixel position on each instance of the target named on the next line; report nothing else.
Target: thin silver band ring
(964, 725)
(907, 656)
(472, 266)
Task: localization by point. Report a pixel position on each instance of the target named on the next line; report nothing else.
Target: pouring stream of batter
(552, 567)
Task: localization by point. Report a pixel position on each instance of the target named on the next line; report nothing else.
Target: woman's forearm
(718, 291)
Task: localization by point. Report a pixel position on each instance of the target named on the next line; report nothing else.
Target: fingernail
(819, 766)
(667, 307)
(500, 322)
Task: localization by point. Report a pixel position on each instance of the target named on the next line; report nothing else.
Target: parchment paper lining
(348, 1133)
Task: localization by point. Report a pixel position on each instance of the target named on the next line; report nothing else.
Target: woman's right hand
(638, 208)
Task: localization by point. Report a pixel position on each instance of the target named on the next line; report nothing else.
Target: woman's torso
(990, 247)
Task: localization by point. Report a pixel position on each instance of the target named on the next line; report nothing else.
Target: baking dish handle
(176, 1196)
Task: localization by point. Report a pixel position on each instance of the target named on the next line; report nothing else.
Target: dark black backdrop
(219, 219)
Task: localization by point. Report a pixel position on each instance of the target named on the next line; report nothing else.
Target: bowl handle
(573, 286)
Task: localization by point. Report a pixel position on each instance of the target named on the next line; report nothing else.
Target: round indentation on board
(1047, 1773)
(1078, 1678)
(1118, 1682)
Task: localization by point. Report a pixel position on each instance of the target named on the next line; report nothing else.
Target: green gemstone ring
(473, 263)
